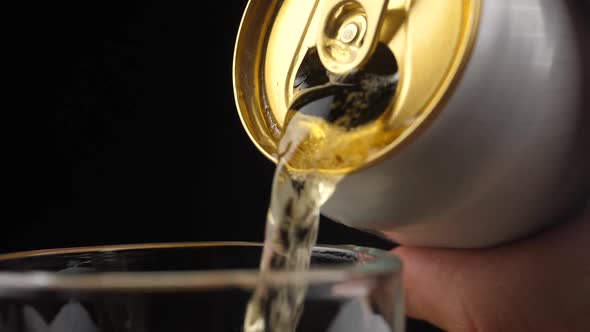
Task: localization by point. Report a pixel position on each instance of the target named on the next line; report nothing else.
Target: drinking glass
(177, 287)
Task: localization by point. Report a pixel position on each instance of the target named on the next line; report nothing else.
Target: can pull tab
(350, 29)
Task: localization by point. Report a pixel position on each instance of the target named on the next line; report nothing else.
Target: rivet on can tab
(349, 32)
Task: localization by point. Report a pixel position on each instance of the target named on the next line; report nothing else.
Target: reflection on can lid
(430, 39)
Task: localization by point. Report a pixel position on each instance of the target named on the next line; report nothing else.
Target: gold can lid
(430, 41)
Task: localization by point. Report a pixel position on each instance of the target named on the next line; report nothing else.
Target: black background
(129, 130)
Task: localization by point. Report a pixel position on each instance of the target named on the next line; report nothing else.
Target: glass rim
(379, 262)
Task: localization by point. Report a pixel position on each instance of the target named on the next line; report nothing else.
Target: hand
(537, 284)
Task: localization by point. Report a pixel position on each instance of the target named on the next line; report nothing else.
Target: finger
(434, 283)
(537, 284)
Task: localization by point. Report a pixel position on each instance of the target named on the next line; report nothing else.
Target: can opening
(349, 100)
(336, 119)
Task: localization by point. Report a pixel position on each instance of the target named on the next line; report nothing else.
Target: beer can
(490, 109)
